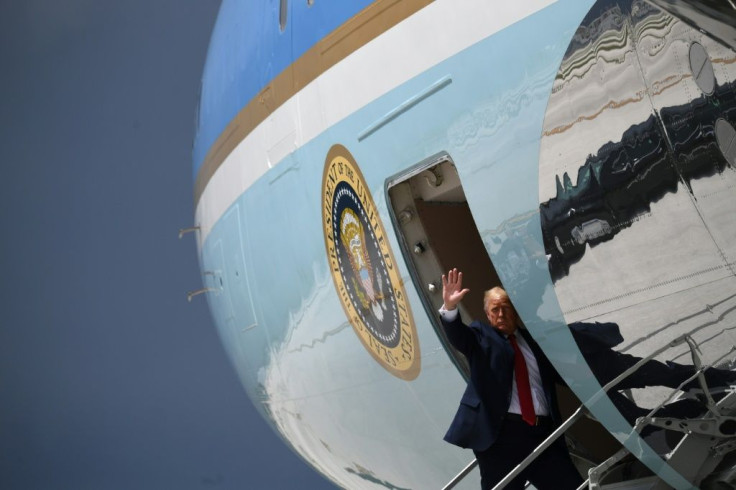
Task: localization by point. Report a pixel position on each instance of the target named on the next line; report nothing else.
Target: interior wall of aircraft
(579, 153)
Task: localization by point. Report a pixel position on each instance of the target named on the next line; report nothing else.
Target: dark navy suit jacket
(486, 400)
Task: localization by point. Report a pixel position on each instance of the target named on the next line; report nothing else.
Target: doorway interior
(436, 232)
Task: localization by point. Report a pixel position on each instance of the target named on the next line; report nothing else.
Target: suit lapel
(493, 340)
(501, 339)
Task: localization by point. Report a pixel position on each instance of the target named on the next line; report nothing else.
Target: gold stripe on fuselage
(365, 26)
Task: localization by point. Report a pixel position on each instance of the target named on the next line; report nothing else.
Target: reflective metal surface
(715, 17)
(638, 187)
(635, 174)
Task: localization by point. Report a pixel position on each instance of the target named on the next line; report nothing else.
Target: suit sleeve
(460, 335)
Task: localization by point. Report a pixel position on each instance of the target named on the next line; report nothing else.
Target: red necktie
(522, 385)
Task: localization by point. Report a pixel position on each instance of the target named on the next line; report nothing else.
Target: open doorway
(436, 233)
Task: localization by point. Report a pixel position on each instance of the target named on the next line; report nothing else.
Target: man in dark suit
(509, 405)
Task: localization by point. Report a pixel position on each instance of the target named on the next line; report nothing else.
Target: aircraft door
(691, 86)
(608, 186)
(436, 232)
(636, 185)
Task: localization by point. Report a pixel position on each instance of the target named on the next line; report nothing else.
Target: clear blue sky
(109, 379)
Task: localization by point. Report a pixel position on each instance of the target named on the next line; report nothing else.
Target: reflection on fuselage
(636, 216)
(617, 182)
(636, 189)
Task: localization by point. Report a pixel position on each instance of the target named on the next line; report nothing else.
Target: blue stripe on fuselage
(247, 50)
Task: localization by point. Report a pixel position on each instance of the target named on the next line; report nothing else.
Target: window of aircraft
(283, 10)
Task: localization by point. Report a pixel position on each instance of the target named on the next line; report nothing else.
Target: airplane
(581, 154)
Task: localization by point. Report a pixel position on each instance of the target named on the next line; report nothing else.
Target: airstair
(704, 455)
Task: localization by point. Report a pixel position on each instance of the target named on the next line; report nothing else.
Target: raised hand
(452, 289)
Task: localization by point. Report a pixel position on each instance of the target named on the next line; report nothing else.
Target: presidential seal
(363, 268)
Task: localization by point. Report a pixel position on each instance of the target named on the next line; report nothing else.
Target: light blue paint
(248, 49)
(489, 120)
(405, 106)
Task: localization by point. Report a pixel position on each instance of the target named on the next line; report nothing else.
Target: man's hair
(497, 292)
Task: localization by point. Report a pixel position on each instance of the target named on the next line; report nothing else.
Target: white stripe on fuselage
(433, 34)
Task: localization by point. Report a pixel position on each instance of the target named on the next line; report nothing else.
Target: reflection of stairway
(704, 455)
(589, 443)
(699, 449)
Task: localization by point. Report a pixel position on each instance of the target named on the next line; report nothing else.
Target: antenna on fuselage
(192, 294)
(184, 231)
(196, 292)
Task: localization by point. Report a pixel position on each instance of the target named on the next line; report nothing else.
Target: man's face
(502, 315)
